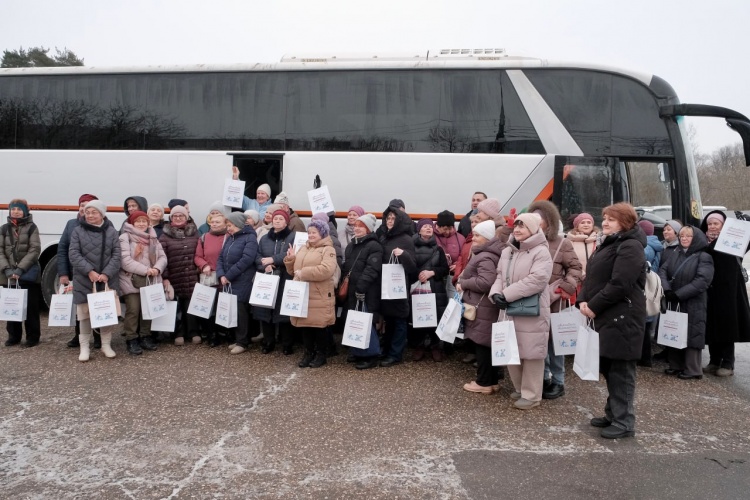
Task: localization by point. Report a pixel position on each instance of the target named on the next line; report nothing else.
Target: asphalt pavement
(196, 422)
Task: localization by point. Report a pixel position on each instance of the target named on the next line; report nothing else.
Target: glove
(499, 300)
(671, 296)
(8, 273)
(360, 296)
(511, 218)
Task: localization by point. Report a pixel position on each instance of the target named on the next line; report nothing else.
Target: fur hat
(369, 221)
(252, 214)
(485, 229)
(282, 198)
(86, 197)
(238, 219)
(283, 214)
(532, 221)
(357, 210)
(446, 218)
(175, 202)
(265, 188)
(647, 227)
(178, 209)
(135, 215)
(422, 223)
(582, 217)
(321, 226)
(98, 205)
(490, 206)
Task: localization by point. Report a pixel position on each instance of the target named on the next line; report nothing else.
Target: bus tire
(50, 280)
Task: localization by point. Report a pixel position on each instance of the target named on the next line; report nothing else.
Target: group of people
(490, 261)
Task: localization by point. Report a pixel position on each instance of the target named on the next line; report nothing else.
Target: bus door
(260, 168)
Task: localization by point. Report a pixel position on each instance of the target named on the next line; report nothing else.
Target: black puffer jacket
(274, 244)
(613, 288)
(399, 236)
(728, 309)
(695, 270)
(179, 245)
(364, 260)
(430, 257)
(94, 249)
(20, 248)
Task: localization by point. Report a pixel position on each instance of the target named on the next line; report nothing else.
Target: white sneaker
(179, 341)
(238, 349)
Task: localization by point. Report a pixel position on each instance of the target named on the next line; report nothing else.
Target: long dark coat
(237, 262)
(399, 236)
(364, 260)
(613, 288)
(728, 309)
(274, 244)
(691, 285)
(476, 281)
(179, 245)
(430, 257)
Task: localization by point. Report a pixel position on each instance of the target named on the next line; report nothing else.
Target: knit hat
(321, 216)
(490, 206)
(98, 205)
(270, 209)
(265, 188)
(321, 226)
(86, 198)
(218, 206)
(357, 209)
(283, 214)
(446, 218)
(158, 205)
(397, 203)
(715, 216)
(582, 217)
(175, 202)
(676, 226)
(178, 209)
(21, 204)
(422, 223)
(252, 214)
(369, 221)
(486, 229)
(134, 216)
(282, 198)
(238, 219)
(532, 221)
(647, 227)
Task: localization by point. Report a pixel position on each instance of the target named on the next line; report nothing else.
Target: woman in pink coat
(524, 270)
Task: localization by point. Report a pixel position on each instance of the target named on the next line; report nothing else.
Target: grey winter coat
(695, 270)
(476, 281)
(94, 249)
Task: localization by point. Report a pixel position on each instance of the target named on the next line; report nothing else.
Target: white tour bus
(430, 129)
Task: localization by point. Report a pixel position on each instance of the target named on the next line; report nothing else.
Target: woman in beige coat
(316, 264)
(524, 270)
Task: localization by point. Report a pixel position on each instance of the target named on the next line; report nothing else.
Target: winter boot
(106, 345)
(83, 340)
(97, 339)
(74, 342)
(318, 361)
(147, 343)
(306, 359)
(133, 347)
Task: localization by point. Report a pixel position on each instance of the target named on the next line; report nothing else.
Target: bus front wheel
(50, 281)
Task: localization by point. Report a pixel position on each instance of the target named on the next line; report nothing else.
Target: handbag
(139, 281)
(525, 306)
(470, 311)
(343, 290)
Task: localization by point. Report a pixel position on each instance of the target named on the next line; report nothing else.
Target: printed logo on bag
(11, 312)
(499, 353)
(355, 338)
(320, 202)
(61, 317)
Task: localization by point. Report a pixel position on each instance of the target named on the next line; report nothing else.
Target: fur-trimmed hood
(550, 214)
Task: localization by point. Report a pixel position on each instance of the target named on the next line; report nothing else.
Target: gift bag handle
(227, 288)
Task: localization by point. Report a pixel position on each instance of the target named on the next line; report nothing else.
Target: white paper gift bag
(265, 289)
(504, 344)
(295, 297)
(300, 239)
(166, 323)
(320, 200)
(226, 308)
(673, 329)
(153, 301)
(13, 302)
(423, 311)
(447, 329)
(234, 192)
(734, 237)
(202, 301)
(393, 281)
(357, 329)
(586, 360)
(564, 325)
(103, 307)
(62, 309)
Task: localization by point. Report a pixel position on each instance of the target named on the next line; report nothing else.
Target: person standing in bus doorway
(133, 204)
(19, 263)
(464, 226)
(563, 284)
(64, 268)
(95, 258)
(397, 242)
(728, 319)
(612, 296)
(156, 218)
(262, 197)
(236, 268)
(452, 242)
(179, 239)
(295, 223)
(141, 259)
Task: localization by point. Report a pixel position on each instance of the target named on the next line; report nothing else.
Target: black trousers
(720, 354)
(620, 377)
(487, 374)
(242, 332)
(285, 333)
(315, 340)
(188, 322)
(32, 323)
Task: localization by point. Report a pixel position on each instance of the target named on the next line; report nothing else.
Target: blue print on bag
(500, 353)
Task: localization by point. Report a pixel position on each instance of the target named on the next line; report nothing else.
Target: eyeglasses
(179, 216)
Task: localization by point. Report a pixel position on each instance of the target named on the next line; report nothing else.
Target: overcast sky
(700, 47)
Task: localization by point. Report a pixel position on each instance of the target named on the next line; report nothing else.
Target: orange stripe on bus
(66, 208)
